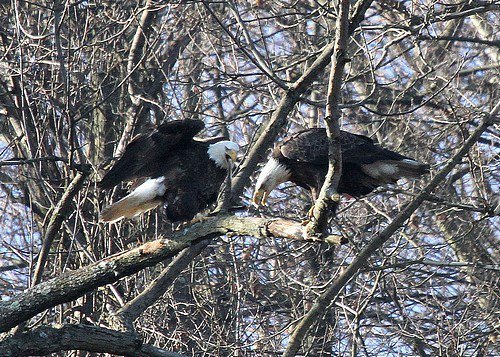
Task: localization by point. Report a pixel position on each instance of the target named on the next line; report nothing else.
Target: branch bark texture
(45, 340)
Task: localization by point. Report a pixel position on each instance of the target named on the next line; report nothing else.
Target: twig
(224, 199)
(56, 219)
(84, 168)
(459, 39)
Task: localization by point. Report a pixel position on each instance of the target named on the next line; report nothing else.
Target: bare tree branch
(328, 198)
(136, 48)
(56, 219)
(74, 284)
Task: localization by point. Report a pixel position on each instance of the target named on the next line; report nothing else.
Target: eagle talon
(305, 222)
(335, 198)
(197, 219)
(310, 213)
(314, 237)
(333, 195)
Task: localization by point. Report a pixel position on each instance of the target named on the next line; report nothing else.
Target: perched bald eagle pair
(186, 174)
(303, 160)
(180, 171)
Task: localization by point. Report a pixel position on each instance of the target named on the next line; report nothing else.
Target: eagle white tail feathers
(412, 168)
(389, 171)
(127, 207)
(144, 198)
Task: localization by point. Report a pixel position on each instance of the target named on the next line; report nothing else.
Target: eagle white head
(272, 174)
(223, 153)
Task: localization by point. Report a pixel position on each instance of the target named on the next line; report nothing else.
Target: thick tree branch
(45, 340)
(328, 198)
(328, 297)
(73, 284)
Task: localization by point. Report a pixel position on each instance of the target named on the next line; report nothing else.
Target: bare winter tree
(411, 269)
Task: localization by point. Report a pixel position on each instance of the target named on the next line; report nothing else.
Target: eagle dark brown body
(303, 160)
(184, 173)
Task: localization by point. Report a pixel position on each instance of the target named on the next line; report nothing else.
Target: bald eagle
(303, 160)
(180, 171)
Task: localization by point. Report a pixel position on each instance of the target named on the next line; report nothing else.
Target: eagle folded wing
(142, 154)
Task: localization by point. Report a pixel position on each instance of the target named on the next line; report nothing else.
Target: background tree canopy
(419, 275)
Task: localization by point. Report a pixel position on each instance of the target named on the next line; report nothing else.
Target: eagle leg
(308, 218)
(331, 195)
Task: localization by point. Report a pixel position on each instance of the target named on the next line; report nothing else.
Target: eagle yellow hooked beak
(233, 154)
